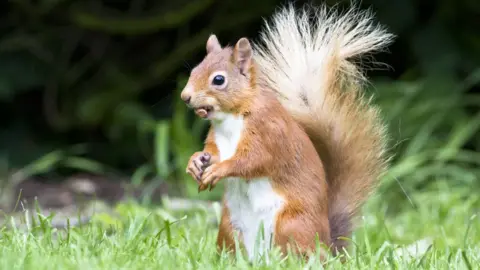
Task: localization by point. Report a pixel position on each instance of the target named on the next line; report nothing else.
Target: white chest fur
(250, 204)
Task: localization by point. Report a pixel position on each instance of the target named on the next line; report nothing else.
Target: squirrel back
(309, 66)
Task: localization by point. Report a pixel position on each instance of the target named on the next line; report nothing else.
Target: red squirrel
(298, 145)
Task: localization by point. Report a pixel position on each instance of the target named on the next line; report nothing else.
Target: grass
(140, 237)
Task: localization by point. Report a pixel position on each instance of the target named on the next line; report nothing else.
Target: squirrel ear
(242, 54)
(213, 44)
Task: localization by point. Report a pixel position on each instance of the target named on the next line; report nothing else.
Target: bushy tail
(309, 64)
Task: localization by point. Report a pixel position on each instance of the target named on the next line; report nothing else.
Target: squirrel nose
(186, 98)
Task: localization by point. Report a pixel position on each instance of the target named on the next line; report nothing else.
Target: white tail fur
(296, 56)
(310, 66)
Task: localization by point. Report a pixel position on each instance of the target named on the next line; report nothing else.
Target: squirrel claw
(202, 187)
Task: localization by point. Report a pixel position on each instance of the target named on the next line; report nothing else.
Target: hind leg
(299, 232)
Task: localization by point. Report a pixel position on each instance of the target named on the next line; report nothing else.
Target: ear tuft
(213, 45)
(243, 54)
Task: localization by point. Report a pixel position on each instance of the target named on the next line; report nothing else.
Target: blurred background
(89, 96)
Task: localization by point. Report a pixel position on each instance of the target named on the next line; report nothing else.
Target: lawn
(434, 230)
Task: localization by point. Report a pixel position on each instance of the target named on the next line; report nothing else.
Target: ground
(434, 230)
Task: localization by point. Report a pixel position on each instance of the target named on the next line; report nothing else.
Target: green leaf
(162, 148)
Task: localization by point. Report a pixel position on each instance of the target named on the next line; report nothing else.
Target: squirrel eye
(218, 80)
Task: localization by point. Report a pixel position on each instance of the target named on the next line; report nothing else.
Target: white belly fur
(250, 203)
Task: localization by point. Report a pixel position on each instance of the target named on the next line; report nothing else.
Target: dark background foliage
(91, 85)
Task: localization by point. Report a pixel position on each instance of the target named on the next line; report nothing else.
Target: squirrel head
(223, 83)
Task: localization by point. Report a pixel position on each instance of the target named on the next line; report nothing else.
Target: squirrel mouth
(204, 111)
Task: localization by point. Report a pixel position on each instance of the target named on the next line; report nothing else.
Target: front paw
(212, 175)
(198, 162)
